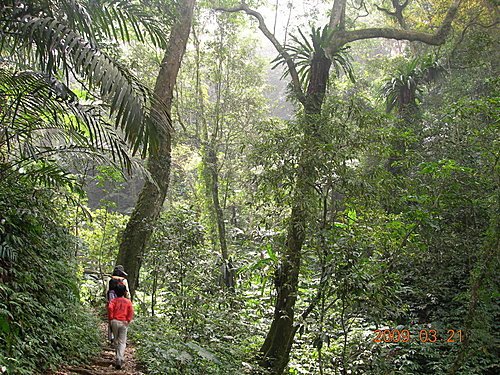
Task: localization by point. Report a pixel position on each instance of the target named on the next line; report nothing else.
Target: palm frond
(342, 62)
(97, 19)
(51, 175)
(40, 113)
(58, 47)
(130, 18)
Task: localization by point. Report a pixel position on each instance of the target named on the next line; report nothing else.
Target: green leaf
(202, 352)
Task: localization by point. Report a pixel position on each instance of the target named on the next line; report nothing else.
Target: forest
(292, 187)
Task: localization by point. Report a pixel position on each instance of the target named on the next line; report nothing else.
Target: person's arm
(125, 282)
(130, 312)
(111, 306)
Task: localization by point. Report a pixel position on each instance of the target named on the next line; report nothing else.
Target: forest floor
(103, 364)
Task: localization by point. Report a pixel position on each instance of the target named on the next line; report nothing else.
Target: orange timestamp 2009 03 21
(422, 335)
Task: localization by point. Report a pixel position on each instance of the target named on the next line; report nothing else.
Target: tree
(276, 348)
(226, 103)
(152, 196)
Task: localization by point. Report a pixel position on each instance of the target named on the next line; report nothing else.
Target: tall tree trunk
(152, 196)
(276, 349)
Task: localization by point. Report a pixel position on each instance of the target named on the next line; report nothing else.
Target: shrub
(42, 322)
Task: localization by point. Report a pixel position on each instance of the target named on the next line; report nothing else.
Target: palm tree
(47, 45)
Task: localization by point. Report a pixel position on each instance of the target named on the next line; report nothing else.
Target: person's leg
(110, 333)
(121, 343)
(115, 328)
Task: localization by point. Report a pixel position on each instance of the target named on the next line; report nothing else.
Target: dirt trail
(103, 364)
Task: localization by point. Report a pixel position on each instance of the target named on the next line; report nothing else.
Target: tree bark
(337, 16)
(152, 196)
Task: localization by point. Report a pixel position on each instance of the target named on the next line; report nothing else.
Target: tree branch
(466, 29)
(343, 37)
(386, 11)
(337, 17)
(398, 12)
(281, 50)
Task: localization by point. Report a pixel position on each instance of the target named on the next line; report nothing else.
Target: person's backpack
(113, 283)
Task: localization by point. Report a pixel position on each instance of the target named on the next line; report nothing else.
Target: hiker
(118, 278)
(120, 314)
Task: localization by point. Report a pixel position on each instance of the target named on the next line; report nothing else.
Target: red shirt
(120, 309)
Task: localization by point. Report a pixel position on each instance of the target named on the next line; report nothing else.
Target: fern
(303, 49)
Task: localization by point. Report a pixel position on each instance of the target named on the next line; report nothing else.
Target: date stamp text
(423, 336)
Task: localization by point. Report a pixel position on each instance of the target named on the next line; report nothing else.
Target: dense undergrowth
(165, 350)
(42, 323)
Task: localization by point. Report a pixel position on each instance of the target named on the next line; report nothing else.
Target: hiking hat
(119, 271)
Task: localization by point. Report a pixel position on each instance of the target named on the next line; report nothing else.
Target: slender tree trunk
(211, 181)
(152, 196)
(211, 170)
(212, 186)
(154, 287)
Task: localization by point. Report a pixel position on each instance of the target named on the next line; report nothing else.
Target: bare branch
(343, 37)
(290, 7)
(362, 6)
(386, 11)
(281, 50)
(466, 29)
(398, 12)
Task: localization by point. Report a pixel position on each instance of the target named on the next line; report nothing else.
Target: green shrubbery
(42, 323)
(164, 350)
(197, 327)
